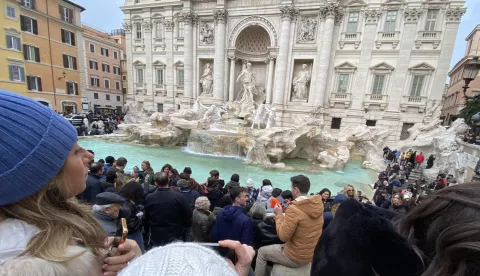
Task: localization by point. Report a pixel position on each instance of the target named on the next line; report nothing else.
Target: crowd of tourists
(59, 213)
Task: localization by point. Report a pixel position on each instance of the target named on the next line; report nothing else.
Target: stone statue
(212, 115)
(248, 83)
(307, 30)
(206, 33)
(260, 116)
(301, 83)
(272, 118)
(207, 81)
(433, 109)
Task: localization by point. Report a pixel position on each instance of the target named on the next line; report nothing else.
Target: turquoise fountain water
(202, 164)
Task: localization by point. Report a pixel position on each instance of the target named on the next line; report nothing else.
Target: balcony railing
(138, 41)
(429, 35)
(351, 36)
(343, 98)
(388, 35)
(140, 85)
(375, 99)
(414, 101)
(179, 87)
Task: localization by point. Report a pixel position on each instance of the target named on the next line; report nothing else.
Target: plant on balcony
(472, 107)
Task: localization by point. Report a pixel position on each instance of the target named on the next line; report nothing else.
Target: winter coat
(396, 183)
(167, 216)
(300, 228)
(173, 182)
(14, 237)
(224, 201)
(190, 196)
(420, 158)
(252, 195)
(213, 215)
(398, 209)
(201, 225)
(361, 241)
(430, 161)
(134, 221)
(108, 222)
(92, 189)
(233, 224)
(214, 195)
(265, 233)
(108, 187)
(265, 194)
(147, 178)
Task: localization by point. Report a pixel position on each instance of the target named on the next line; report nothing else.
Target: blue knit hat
(34, 143)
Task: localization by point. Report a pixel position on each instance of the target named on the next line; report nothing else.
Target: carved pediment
(158, 63)
(356, 3)
(422, 67)
(136, 18)
(178, 63)
(382, 67)
(346, 65)
(157, 17)
(138, 63)
(10, 30)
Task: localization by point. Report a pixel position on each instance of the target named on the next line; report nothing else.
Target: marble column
(271, 65)
(130, 71)
(231, 83)
(313, 85)
(282, 60)
(189, 19)
(220, 16)
(331, 12)
(147, 41)
(169, 70)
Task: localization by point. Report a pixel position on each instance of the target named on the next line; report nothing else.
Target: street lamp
(470, 72)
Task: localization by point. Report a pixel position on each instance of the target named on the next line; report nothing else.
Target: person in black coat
(133, 192)
(214, 193)
(430, 161)
(167, 214)
(93, 185)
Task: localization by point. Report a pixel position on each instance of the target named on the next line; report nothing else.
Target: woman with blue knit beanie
(43, 229)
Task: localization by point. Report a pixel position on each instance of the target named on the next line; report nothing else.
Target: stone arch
(253, 39)
(253, 21)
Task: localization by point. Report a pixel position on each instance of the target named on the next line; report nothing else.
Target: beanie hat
(235, 177)
(182, 183)
(34, 143)
(187, 170)
(179, 259)
(249, 182)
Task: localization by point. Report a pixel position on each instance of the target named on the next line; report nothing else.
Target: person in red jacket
(419, 160)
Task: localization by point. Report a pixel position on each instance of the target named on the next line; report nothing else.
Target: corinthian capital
(168, 25)
(455, 14)
(147, 26)
(372, 16)
(412, 15)
(220, 15)
(189, 18)
(127, 27)
(332, 10)
(288, 12)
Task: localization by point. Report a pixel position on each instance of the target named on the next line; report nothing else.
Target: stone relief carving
(147, 26)
(307, 30)
(455, 15)
(220, 16)
(189, 18)
(127, 27)
(372, 16)
(332, 10)
(169, 25)
(253, 20)
(207, 81)
(207, 33)
(412, 15)
(301, 82)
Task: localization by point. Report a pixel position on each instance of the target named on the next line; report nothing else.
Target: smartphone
(223, 251)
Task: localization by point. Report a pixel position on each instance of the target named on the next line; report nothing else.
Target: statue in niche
(272, 118)
(207, 81)
(248, 84)
(301, 83)
(307, 30)
(260, 116)
(206, 33)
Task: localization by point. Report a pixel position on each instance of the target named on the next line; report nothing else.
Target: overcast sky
(106, 15)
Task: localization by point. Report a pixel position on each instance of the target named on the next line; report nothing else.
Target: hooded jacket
(265, 194)
(233, 224)
(300, 228)
(214, 195)
(14, 237)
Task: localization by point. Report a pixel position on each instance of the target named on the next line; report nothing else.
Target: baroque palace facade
(375, 62)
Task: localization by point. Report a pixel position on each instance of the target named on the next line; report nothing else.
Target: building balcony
(159, 44)
(375, 99)
(428, 37)
(140, 88)
(419, 102)
(388, 38)
(350, 38)
(160, 90)
(138, 41)
(341, 98)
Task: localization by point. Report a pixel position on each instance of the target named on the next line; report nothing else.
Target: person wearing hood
(430, 160)
(213, 193)
(234, 182)
(265, 192)
(300, 228)
(189, 195)
(232, 223)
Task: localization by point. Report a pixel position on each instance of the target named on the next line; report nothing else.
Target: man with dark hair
(300, 228)
(109, 160)
(167, 214)
(120, 165)
(214, 193)
(93, 185)
(215, 174)
(232, 223)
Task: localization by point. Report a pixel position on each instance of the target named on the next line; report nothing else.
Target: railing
(138, 41)
(376, 97)
(434, 35)
(388, 35)
(140, 85)
(179, 40)
(179, 87)
(344, 98)
(340, 96)
(159, 86)
(351, 36)
(120, 32)
(416, 100)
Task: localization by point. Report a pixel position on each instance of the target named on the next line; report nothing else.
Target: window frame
(36, 80)
(18, 40)
(138, 30)
(338, 91)
(375, 75)
(90, 47)
(388, 24)
(160, 107)
(105, 81)
(117, 83)
(104, 52)
(116, 70)
(33, 24)
(90, 62)
(7, 6)
(72, 62)
(105, 66)
(416, 87)
(180, 29)
(335, 121)
(74, 86)
(115, 54)
(21, 72)
(107, 97)
(350, 24)
(157, 70)
(28, 49)
(95, 96)
(119, 98)
(137, 75)
(30, 5)
(180, 80)
(94, 80)
(428, 21)
(66, 14)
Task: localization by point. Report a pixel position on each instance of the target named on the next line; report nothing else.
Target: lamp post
(470, 72)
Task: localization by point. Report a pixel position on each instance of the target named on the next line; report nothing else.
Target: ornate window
(179, 75)
(390, 21)
(378, 84)
(344, 77)
(138, 30)
(419, 79)
(139, 73)
(352, 24)
(159, 71)
(431, 21)
(380, 78)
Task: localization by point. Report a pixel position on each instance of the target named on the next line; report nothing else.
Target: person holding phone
(43, 228)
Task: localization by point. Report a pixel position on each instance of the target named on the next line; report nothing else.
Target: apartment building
(12, 65)
(103, 54)
(52, 44)
(454, 100)
(119, 36)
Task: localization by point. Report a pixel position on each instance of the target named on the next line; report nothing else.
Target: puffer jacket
(265, 194)
(301, 227)
(14, 237)
(201, 225)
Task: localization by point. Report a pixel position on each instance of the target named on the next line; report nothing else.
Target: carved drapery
(147, 26)
(169, 25)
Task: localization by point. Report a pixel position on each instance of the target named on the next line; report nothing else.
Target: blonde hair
(202, 203)
(61, 221)
(149, 167)
(344, 192)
